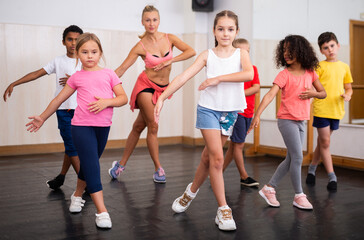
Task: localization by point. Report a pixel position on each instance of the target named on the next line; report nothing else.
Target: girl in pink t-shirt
(297, 56)
(95, 87)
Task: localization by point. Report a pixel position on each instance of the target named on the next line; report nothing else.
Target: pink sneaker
(269, 195)
(300, 201)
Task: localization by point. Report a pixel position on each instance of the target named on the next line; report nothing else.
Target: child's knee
(325, 143)
(217, 162)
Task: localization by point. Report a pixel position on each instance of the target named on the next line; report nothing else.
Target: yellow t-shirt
(333, 76)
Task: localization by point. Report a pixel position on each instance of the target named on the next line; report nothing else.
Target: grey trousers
(293, 133)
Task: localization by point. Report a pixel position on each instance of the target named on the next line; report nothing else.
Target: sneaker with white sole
(115, 170)
(224, 219)
(301, 201)
(249, 182)
(103, 220)
(159, 176)
(183, 202)
(269, 195)
(76, 204)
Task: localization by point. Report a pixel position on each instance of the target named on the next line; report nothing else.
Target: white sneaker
(224, 219)
(76, 204)
(183, 202)
(103, 220)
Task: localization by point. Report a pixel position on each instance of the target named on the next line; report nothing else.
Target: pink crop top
(153, 60)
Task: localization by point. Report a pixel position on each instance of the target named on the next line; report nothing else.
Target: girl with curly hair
(299, 60)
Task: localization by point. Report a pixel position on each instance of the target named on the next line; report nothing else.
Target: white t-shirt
(61, 66)
(226, 96)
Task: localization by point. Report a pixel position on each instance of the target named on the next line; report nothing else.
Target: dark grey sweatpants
(293, 133)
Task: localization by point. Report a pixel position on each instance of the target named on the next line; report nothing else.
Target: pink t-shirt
(88, 85)
(292, 107)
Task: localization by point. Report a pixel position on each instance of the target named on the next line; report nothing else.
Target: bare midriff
(160, 77)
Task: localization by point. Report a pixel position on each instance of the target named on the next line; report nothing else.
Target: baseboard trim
(340, 161)
(12, 150)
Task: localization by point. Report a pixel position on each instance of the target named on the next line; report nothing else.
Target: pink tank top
(152, 60)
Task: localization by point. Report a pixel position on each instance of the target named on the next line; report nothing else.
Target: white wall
(274, 19)
(122, 15)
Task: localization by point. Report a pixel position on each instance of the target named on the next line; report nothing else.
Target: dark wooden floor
(141, 209)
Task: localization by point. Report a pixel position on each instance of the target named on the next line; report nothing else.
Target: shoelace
(119, 170)
(226, 214)
(161, 172)
(185, 200)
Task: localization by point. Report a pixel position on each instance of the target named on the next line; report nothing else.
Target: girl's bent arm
(318, 92)
(321, 93)
(38, 121)
(267, 99)
(247, 74)
(120, 96)
(119, 100)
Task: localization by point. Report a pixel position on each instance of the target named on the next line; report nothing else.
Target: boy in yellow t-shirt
(336, 78)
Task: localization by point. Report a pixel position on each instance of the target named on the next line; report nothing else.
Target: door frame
(352, 24)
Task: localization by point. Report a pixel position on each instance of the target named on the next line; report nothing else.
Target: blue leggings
(293, 133)
(90, 143)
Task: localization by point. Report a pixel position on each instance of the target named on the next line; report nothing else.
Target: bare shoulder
(137, 49)
(203, 55)
(173, 38)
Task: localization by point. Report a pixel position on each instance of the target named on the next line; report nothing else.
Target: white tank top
(226, 96)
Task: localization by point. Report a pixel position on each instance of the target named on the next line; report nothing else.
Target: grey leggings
(293, 133)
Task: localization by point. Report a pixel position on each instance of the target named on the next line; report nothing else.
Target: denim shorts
(211, 119)
(319, 122)
(240, 129)
(64, 118)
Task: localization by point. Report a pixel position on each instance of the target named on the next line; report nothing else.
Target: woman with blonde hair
(155, 48)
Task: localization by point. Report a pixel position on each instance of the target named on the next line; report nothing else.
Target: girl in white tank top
(222, 93)
(225, 96)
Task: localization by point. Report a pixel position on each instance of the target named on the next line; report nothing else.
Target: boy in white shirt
(63, 66)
